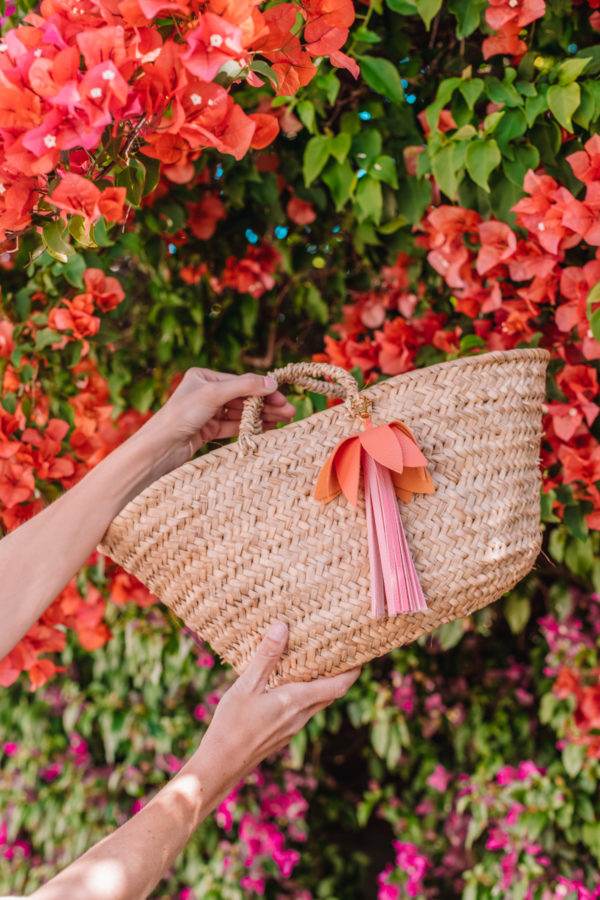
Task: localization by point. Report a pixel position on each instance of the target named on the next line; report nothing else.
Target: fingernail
(277, 631)
(270, 383)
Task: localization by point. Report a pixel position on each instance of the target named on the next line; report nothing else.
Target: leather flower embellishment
(393, 466)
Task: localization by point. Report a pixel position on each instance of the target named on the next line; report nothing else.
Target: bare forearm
(128, 864)
(39, 558)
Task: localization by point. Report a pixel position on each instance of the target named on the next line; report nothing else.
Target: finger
(221, 393)
(276, 401)
(262, 664)
(273, 414)
(322, 691)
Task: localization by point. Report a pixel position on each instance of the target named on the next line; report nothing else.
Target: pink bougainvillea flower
(300, 211)
(586, 163)
(211, 44)
(78, 196)
(498, 244)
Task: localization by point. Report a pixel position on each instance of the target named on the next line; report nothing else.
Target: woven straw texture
(234, 539)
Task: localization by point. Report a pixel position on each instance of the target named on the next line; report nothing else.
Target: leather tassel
(395, 586)
(393, 466)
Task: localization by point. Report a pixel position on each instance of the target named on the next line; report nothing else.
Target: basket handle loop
(306, 375)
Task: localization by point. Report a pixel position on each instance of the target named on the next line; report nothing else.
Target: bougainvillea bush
(379, 185)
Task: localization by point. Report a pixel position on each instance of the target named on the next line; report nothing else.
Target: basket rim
(379, 389)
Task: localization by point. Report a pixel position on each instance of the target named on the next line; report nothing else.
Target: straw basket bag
(234, 539)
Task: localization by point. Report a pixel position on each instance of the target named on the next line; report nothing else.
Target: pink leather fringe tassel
(394, 579)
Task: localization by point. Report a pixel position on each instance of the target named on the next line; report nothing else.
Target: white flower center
(108, 75)
(211, 102)
(150, 57)
(95, 93)
(572, 412)
(37, 53)
(216, 40)
(196, 99)
(513, 3)
(541, 226)
(3, 47)
(2, 189)
(50, 141)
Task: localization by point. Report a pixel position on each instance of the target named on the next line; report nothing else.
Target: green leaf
(314, 305)
(100, 233)
(413, 199)
(517, 611)
(45, 337)
(339, 146)
(534, 107)
(53, 238)
(574, 519)
(73, 270)
(590, 833)
(369, 199)
(339, 178)
(298, 745)
(366, 36)
(384, 169)
(593, 297)
(467, 14)
(526, 157)
(471, 91)
(262, 68)
(512, 125)
(316, 155)
(450, 634)
(393, 225)
(380, 738)
(81, 232)
(482, 157)
(142, 395)
(595, 324)
(548, 501)
(383, 76)
(502, 92)
(132, 178)
(579, 556)
(403, 7)
(442, 167)
(152, 167)
(444, 93)
(366, 146)
(307, 115)
(573, 757)
(563, 101)
(428, 9)
(569, 69)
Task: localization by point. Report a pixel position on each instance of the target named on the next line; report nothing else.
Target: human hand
(252, 722)
(207, 406)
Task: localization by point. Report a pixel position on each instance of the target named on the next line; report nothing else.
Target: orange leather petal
(382, 445)
(411, 454)
(327, 486)
(415, 480)
(346, 461)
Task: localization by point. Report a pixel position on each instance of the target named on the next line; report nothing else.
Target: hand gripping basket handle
(305, 375)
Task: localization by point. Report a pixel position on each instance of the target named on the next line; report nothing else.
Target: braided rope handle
(307, 376)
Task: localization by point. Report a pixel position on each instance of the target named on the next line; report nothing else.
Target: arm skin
(249, 724)
(40, 557)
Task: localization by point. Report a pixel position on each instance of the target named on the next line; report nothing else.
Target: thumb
(264, 661)
(242, 386)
